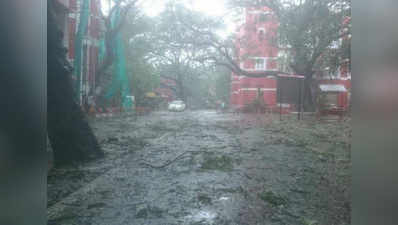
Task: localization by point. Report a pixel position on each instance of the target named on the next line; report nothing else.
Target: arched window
(261, 34)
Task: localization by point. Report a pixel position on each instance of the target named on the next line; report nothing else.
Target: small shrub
(272, 198)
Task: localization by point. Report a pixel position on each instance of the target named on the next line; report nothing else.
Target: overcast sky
(215, 8)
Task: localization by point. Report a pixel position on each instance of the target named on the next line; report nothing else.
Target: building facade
(167, 89)
(257, 51)
(69, 14)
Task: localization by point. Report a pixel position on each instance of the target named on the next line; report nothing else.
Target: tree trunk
(309, 104)
(308, 97)
(181, 91)
(69, 132)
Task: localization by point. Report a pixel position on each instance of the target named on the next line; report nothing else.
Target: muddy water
(198, 167)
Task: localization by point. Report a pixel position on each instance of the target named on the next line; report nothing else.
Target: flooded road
(204, 167)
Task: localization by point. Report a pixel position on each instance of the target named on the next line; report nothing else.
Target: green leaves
(273, 198)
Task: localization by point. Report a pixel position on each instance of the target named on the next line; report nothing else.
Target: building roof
(332, 88)
(291, 76)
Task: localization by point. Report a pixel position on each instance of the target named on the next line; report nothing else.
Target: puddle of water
(203, 216)
(223, 198)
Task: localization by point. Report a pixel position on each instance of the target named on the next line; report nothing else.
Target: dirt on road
(203, 167)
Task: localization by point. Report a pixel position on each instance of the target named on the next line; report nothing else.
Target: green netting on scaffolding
(120, 83)
(101, 50)
(81, 32)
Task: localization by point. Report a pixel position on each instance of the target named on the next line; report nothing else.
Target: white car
(177, 106)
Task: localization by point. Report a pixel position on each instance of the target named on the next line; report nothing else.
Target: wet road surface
(199, 167)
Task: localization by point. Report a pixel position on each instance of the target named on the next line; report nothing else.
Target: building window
(263, 18)
(273, 41)
(272, 64)
(261, 36)
(261, 33)
(259, 64)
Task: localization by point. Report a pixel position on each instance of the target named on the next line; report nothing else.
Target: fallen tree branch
(169, 162)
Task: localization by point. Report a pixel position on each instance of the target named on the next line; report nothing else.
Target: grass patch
(163, 127)
(272, 198)
(306, 221)
(221, 163)
(231, 190)
(204, 199)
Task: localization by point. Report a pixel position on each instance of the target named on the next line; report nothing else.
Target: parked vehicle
(177, 106)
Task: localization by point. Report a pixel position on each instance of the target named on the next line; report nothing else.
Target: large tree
(173, 54)
(119, 13)
(70, 135)
(142, 74)
(114, 21)
(307, 29)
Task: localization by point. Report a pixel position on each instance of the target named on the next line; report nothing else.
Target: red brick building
(257, 50)
(68, 12)
(167, 89)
